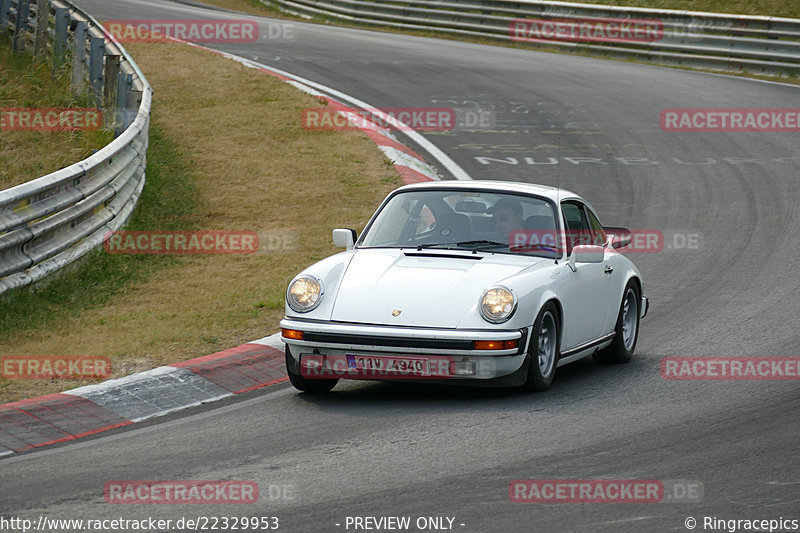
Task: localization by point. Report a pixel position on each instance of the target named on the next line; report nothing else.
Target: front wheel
(543, 351)
(307, 385)
(626, 331)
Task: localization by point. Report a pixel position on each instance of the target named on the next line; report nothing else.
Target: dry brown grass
(254, 7)
(256, 170)
(773, 8)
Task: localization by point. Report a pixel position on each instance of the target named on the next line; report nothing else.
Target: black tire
(307, 385)
(624, 344)
(543, 350)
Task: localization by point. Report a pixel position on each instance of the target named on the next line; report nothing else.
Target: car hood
(433, 288)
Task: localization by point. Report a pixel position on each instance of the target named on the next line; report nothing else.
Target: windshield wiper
(461, 244)
(435, 244)
(474, 245)
(481, 243)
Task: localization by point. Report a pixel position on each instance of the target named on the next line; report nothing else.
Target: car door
(613, 269)
(587, 291)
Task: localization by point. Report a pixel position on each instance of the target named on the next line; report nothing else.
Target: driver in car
(507, 217)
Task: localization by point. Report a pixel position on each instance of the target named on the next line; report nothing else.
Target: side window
(576, 225)
(598, 233)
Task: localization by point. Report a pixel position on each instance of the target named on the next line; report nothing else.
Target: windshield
(475, 220)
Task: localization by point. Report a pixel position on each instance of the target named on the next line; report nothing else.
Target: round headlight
(304, 293)
(497, 304)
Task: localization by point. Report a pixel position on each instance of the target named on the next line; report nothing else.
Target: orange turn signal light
(495, 345)
(292, 334)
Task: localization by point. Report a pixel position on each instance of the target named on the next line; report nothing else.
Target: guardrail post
(78, 79)
(42, 18)
(110, 89)
(135, 98)
(21, 26)
(97, 49)
(60, 43)
(124, 84)
(5, 7)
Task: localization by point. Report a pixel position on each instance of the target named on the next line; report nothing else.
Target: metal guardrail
(48, 223)
(760, 45)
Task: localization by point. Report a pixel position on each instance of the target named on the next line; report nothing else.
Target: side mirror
(344, 238)
(586, 253)
(618, 237)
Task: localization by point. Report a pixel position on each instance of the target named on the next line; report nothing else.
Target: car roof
(552, 193)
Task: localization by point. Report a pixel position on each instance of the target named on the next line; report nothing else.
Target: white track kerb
(164, 390)
(159, 391)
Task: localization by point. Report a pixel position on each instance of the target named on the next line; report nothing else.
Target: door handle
(609, 269)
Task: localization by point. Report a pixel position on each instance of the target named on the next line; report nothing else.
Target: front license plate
(407, 366)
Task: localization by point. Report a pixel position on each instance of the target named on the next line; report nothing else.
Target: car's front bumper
(336, 350)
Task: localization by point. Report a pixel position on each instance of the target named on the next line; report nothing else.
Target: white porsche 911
(482, 283)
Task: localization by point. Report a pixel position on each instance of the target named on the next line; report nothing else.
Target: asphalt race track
(725, 284)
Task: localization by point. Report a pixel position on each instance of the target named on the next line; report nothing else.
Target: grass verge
(252, 7)
(771, 8)
(29, 83)
(227, 153)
